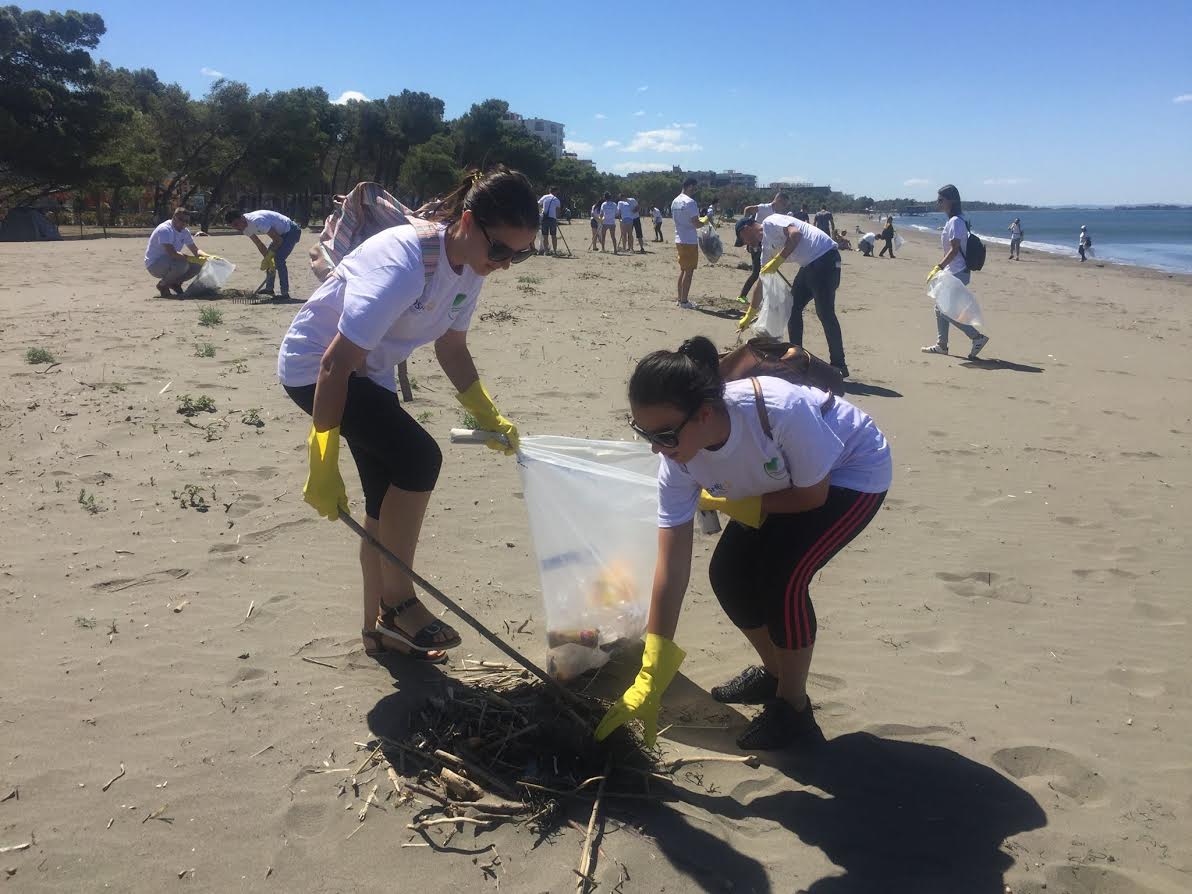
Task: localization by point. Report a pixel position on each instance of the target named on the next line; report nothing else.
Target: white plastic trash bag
(898, 242)
(593, 509)
(211, 278)
(954, 300)
(710, 244)
(777, 302)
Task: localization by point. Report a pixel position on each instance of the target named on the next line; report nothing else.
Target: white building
(551, 132)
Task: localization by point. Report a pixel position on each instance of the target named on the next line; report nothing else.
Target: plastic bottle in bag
(954, 300)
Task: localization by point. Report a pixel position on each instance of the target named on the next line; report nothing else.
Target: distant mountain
(1152, 207)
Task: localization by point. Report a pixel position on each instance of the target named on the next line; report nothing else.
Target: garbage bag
(212, 277)
(777, 302)
(954, 300)
(593, 509)
(710, 244)
(898, 242)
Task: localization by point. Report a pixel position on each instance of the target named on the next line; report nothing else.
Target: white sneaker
(936, 348)
(978, 343)
(686, 305)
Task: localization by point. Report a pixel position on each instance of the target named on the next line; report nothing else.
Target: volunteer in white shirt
(608, 221)
(338, 362)
(549, 206)
(636, 219)
(781, 236)
(625, 231)
(797, 496)
(953, 239)
(1015, 229)
(685, 214)
(163, 253)
(780, 204)
(656, 215)
(283, 235)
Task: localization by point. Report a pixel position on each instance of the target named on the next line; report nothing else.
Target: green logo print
(774, 468)
(459, 299)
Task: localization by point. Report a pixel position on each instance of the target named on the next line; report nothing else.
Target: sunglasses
(499, 252)
(668, 438)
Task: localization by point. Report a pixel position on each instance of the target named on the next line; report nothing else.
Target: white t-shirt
(624, 212)
(609, 212)
(656, 214)
(164, 234)
(261, 222)
(764, 210)
(843, 444)
(1015, 231)
(955, 228)
(550, 205)
(376, 299)
(683, 209)
(631, 204)
(871, 238)
(814, 242)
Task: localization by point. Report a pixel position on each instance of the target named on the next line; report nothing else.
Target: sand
(1002, 671)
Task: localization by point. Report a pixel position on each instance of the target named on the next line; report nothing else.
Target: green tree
(430, 169)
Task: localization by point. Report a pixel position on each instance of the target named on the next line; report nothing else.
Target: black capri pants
(762, 576)
(755, 259)
(818, 280)
(637, 228)
(389, 447)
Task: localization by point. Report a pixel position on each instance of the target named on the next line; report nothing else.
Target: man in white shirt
(636, 220)
(163, 254)
(283, 235)
(608, 221)
(780, 204)
(548, 207)
(657, 217)
(685, 214)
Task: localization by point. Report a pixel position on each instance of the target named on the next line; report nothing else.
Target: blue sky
(1046, 103)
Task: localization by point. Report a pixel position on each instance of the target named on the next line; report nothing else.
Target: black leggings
(755, 255)
(889, 246)
(819, 280)
(761, 576)
(388, 445)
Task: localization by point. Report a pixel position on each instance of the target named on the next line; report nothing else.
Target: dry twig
(107, 785)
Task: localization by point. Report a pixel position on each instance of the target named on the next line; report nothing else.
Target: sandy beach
(1002, 671)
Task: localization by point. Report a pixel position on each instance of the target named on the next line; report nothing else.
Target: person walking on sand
(608, 214)
(1083, 243)
(637, 225)
(1015, 229)
(594, 221)
(780, 237)
(407, 286)
(163, 254)
(656, 215)
(685, 214)
(800, 473)
(283, 235)
(887, 236)
(953, 239)
(825, 221)
(549, 206)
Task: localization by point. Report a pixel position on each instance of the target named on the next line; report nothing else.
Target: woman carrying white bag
(801, 473)
(952, 240)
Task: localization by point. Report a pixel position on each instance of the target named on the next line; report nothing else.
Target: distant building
(550, 132)
(805, 188)
(719, 179)
(587, 162)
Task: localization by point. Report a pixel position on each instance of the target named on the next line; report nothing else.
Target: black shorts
(637, 227)
(389, 447)
(550, 226)
(762, 576)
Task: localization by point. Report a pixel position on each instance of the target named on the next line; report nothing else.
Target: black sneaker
(841, 368)
(752, 686)
(777, 726)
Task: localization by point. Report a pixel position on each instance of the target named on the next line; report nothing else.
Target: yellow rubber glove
(934, 271)
(324, 488)
(200, 258)
(746, 510)
(773, 264)
(476, 401)
(660, 663)
(703, 221)
(750, 316)
(269, 262)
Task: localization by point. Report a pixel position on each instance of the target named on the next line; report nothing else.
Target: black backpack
(973, 251)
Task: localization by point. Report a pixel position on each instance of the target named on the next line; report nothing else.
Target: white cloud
(666, 139)
(627, 166)
(689, 124)
(1005, 181)
(643, 88)
(611, 144)
(348, 96)
(212, 73)
(577, 146)
(1183, 97)
(639, 113)
(915, 181)
(600, 115)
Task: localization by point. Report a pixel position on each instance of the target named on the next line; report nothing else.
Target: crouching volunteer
(283, 235)
(407, 286)
(781, 236)
(801, 474)
(163, 254)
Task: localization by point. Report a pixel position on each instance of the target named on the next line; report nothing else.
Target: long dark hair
(500, 197)
(685, 378)
(952, 194)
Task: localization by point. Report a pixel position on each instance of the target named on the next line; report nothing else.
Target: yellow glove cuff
(476, 399)
(325, 441)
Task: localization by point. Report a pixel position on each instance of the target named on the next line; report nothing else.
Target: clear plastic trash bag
(898, 242)
(775, 313)
(954, 300)
(593, 509)
(710, 244)
(212, 277)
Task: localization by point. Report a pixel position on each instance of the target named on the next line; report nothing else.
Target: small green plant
(530, 279)
(87, 501)
(252, 417)
(413, 383)
(468, 420)
(85, 622)
(38, 355)
(423, 417)
(206, 349)
(192, 498)
(193, 406)
(210, 316)
(117, 387)
(239, 366)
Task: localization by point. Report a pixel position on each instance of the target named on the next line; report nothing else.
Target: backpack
(766, 356)
(973, 252)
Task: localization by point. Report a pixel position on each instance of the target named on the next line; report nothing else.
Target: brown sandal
(379, 652)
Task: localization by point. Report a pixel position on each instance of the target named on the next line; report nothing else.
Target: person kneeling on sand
(283, 235)
(338, 363)
(799, 472)
(163, 254)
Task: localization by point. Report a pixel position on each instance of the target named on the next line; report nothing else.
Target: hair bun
(700, 351)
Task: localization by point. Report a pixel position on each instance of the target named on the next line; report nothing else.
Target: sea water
(1159, 239)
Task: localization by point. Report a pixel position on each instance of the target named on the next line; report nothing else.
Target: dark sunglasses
(668, 438)
(499, 252)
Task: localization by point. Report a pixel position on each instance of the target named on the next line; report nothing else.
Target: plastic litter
(777, 302)
(710, 244)
(954, 300)
(898, 242)
(214, 274)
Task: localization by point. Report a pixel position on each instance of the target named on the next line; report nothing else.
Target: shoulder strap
(428, 240)
(759, 402)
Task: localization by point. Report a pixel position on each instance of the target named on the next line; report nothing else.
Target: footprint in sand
(1076, 879)
(1157, 614)
(305, 820)
(246, 674)
(1103, 575)
(1063, 772)
(153, 577)
(916, 733)
(1142, 682)
(1075, 522)
(826, 682)
(986, 585)
(944, 653)
(262, 536)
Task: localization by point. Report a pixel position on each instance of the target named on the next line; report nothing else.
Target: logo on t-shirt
(775, 468)
(460, 300)
(716, 490)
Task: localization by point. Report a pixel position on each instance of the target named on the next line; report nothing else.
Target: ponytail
(498, 197)
(685, 378)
